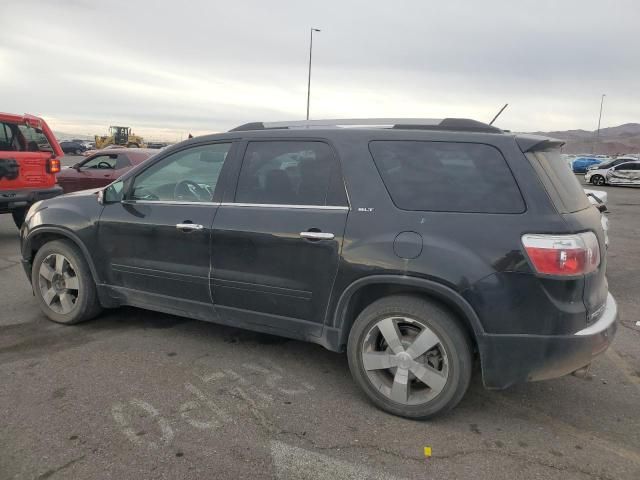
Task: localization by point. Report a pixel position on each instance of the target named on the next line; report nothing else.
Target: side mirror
(112, 194)
(76, 166)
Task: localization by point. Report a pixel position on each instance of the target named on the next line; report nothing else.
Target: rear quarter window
(564, 188)
(447, 177)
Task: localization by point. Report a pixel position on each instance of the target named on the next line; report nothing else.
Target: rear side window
(290, 173)
(569, 195)
(447, 177)
(35, 140)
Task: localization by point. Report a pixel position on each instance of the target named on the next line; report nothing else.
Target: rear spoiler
(536, 143)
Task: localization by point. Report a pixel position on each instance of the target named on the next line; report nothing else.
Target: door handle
(189, 226)
(317, 235)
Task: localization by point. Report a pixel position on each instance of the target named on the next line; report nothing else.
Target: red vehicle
(101, 168)
(29, 160)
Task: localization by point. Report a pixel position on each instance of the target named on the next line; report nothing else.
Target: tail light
(53, 165)
(563, 255)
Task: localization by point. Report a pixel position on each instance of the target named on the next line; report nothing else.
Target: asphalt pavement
(143, 395)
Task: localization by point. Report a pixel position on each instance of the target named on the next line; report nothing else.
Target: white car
(625, 173)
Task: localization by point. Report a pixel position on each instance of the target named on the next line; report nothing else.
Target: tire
(598, 180)
(19, 216)
(411, 316)
(133, 145)
(68, 300)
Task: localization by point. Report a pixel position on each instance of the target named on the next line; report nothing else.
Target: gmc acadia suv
(418, 246)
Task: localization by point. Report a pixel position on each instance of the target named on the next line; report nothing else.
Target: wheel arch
(364, 291)
(40, 236)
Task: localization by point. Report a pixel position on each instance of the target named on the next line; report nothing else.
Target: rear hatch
(579, 214)
(27, 147)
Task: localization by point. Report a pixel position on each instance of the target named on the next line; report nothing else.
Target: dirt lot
(136, 394)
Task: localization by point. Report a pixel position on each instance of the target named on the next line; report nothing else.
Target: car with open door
(416, 246)
(29, 159)
(101, 168)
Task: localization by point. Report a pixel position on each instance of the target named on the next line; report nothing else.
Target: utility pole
(599, 119)
(309, 81)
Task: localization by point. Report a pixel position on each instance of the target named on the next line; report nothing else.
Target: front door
(276, 246)
(156, 242)
(95, 172)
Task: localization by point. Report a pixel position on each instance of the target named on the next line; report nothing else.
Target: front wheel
(598, 180)
(410, 356)
(62, 283)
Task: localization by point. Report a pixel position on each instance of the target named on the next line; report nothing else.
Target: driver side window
(101, 162)
(189, 175)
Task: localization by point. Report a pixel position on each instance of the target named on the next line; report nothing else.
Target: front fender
(71, 217)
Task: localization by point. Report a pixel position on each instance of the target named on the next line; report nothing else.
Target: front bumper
(511, 359)
(23, 198)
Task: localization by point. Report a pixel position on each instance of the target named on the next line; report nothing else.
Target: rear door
(26, 144)
(276, 243)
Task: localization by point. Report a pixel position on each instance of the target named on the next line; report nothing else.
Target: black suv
(418, 246)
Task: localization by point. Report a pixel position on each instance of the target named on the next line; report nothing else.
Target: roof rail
(455, 124)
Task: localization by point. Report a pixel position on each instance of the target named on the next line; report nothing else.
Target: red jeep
(29, 161)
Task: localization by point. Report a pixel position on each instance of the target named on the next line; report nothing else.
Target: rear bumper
(15, 199)
(511, 359)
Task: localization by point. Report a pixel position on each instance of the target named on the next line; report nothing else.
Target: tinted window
(189, 175)
(570, 194)
(35, 139)
(624, 166)
(447, 177)
(290, 173)
(122, 162)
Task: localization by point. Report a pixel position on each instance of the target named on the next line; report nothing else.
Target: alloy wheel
(58, 283)
(405, 360)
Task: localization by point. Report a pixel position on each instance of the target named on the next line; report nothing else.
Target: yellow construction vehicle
(120, 136)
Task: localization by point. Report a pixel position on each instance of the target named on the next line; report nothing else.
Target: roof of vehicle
(448, 124)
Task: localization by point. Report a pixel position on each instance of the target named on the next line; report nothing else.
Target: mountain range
(611, 140)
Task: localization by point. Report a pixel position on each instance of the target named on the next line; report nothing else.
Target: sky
(169, 68)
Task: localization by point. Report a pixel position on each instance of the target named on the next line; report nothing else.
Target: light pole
(309, 81)
(599, 119)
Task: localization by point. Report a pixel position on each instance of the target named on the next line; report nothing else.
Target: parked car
(416, 248)
(101, 168)
(29, 160)
(581, 164)
(74, 148)
(618, 172)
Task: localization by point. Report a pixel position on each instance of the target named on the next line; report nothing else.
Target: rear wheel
(598, 180)
(410, 356)
(62, 283)
(19, 216)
